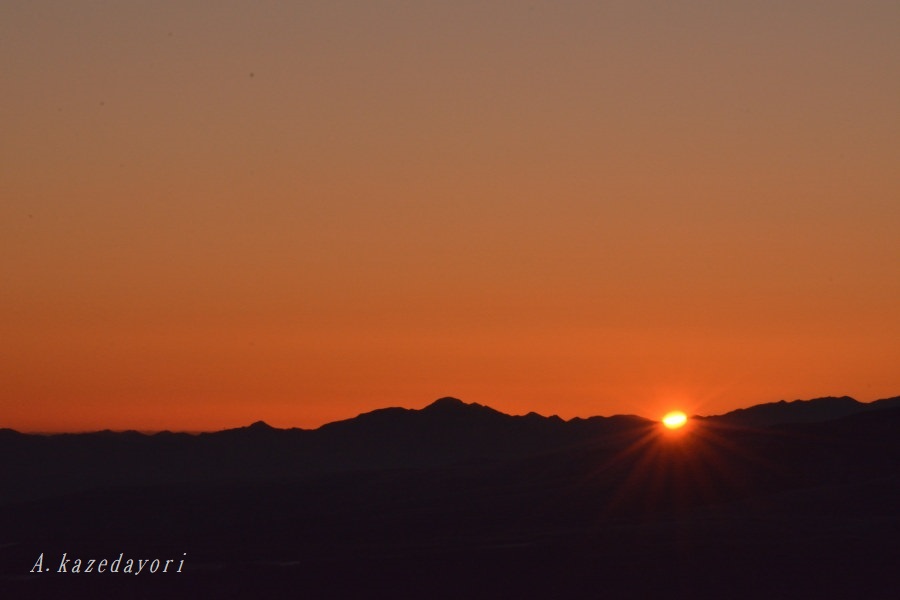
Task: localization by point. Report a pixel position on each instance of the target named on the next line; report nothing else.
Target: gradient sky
(216, 212)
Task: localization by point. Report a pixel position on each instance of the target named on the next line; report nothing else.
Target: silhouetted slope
(885, 403)
(450, 430)
(801, 411)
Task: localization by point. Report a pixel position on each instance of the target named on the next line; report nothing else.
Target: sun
(675, 419)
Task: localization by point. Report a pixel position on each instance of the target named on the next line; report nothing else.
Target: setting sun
(674, 419)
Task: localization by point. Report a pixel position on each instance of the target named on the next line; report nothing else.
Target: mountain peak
(445, 403)
(454, 409)
(260, 426)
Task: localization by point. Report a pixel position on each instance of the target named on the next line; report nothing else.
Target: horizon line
(149, 432)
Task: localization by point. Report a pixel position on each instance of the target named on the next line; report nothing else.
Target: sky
(216, 212)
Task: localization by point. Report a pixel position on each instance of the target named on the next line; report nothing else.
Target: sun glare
(674, 419)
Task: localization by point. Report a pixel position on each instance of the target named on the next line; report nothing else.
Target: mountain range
(783, 500)
(448, 431)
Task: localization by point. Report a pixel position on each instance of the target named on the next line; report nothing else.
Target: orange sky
(219, 212)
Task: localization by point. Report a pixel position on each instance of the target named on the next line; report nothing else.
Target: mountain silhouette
(801, 411)
(446, 432)
(460, 500)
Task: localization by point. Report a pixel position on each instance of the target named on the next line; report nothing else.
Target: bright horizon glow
(675, 419)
